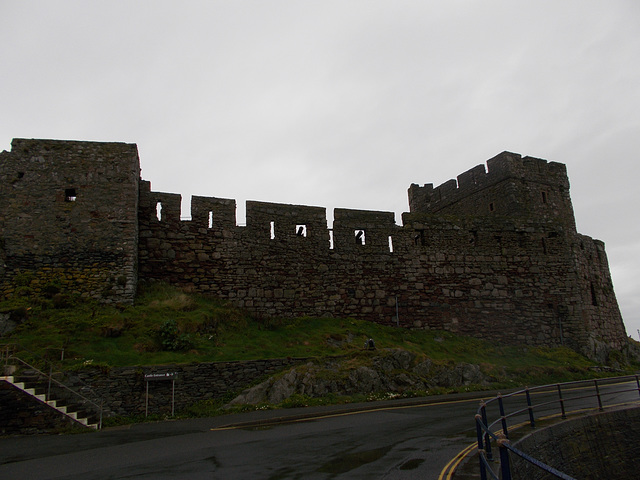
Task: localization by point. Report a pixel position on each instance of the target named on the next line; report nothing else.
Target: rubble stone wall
(68, 218)
(494, 254)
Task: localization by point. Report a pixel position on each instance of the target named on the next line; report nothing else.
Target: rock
(390, 371)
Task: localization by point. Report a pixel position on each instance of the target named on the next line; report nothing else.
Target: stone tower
(69, 218)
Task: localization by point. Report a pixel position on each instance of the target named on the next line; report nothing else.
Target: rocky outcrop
(390, 371)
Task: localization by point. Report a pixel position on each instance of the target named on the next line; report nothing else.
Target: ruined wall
(69, 218)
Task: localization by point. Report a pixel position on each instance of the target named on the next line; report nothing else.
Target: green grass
(94, 334)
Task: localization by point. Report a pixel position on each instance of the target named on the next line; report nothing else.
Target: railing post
(598, 395)
(50, 376)
(487, 439)
(564, 415)
(503, 418)
(532, 421)
(638, 383)
(481, 452)
(505, 467)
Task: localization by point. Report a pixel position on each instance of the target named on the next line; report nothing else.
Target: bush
(171, 339)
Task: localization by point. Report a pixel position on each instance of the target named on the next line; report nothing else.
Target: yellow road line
(341, 414)
(450, 467)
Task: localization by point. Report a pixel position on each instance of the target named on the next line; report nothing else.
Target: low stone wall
(124, 390)
(605, 445)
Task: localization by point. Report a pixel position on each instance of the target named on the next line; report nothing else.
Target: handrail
(8, 354)
(486, 435)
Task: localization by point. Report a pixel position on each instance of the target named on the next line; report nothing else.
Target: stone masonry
(68, 218)
(494, 254)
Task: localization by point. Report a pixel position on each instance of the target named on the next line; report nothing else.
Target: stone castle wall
(68, 220)
(494, 254)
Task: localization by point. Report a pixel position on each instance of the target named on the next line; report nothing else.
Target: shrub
(171, 339)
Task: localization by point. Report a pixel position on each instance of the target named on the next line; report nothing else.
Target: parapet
(272, 223)
(509, 181)
(72, 149)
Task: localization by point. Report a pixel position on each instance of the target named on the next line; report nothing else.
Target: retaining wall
(604, 445)
(124, 390)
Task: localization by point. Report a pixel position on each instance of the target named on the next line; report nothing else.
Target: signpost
(155, 377)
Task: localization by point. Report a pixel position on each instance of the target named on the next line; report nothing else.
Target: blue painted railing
(555, 404)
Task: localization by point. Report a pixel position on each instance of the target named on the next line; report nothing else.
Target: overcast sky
(341, 103)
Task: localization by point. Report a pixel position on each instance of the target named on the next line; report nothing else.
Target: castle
(494, 254)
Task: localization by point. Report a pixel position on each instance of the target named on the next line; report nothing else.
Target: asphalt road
(389, 440)
(394, 441)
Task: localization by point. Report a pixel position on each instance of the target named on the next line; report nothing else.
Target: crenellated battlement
(493, 253)
(511, 186)
(273, 223)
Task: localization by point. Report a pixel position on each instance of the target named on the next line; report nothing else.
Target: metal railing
(554, 404)
(8, 357)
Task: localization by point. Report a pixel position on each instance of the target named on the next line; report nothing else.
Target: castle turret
(513, 187)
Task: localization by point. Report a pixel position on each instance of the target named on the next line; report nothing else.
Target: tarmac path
(393, 440)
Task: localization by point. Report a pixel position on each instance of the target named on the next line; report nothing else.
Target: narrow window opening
(594, 299)
(420, 238)
(390, 244)
(70, 195)
(159, 211)
(301, 230)
(544, 197)
(330, 239)
(522, 240)
(491, 207)
(210, 219)
(273, 230)
(544, 246)
(360, 240)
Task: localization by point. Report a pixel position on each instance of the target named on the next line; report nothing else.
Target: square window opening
(70, 195)
(301, 230)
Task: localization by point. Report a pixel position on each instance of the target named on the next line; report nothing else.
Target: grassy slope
(93, 334)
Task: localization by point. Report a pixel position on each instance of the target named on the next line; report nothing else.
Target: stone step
(51, 403)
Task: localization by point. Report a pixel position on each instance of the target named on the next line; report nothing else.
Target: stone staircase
(49, 390)
(62, 405)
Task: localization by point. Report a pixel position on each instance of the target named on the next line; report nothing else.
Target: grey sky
(341, 103)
